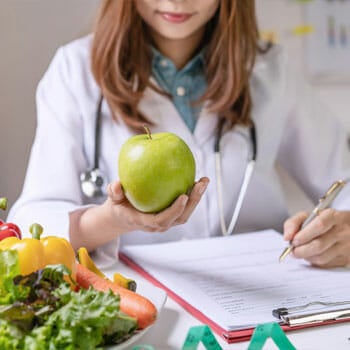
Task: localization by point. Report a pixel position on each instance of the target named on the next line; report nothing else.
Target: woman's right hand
(128, 219)
(98, 225)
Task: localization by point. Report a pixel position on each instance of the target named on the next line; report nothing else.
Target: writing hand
(325, 241)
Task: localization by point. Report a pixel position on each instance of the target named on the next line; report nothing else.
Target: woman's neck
(179, 51)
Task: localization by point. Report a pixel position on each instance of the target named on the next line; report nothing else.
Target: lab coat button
(180, 91)
(164, 63)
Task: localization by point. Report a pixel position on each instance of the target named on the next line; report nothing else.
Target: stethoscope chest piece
(93, 180)
(92, 183)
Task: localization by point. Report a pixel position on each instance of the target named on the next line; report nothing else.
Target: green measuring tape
(143, 347)
(204, 335)
(269, 330)
(195, 336)
(201, 334)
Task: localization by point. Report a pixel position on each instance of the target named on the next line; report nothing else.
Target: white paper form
(237, 281)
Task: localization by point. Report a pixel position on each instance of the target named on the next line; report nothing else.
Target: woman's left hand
(325, 241)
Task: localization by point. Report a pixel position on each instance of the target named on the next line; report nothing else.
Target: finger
(317, 246)
(339, 261)
(318, 226)
(162, 221)
(293, 225)
(115, 192)
(332, 257)
(195, 196)
(180, 209)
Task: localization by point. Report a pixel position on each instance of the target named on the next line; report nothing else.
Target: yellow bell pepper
(36, 253)
(30, 253)
(85, 260)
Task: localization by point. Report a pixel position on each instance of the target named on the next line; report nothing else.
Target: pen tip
(285, 253)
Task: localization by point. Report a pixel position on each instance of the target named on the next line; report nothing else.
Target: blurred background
(32, 30)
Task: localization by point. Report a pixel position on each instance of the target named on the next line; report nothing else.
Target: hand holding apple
(117, 216)
(125, 218)
(155, 169)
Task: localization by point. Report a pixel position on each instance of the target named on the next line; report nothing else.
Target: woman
(183, 66)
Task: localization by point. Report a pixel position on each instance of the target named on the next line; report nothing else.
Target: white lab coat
(294, 133)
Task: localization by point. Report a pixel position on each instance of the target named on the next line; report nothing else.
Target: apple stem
(147, 131)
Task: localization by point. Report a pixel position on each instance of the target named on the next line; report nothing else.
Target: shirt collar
(163, 64)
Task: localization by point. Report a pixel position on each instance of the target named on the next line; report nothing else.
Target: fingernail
(116, 195)
(119, 196)
(288, 229)
(295, 242)
(289, 232)
(202, 189)
(183, 200)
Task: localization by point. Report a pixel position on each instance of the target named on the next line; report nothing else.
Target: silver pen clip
(333, 191)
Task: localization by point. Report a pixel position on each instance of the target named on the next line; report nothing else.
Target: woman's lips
(175, 17)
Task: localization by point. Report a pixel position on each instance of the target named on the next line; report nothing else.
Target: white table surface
(170, 330)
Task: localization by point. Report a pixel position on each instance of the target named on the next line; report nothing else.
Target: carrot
(131, 303)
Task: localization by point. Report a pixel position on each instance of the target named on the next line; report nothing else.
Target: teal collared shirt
(185, 86)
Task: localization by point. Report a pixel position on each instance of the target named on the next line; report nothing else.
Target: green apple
(155, 169)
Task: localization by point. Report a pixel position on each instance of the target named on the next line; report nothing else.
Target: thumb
(115, 192)
(293, 225)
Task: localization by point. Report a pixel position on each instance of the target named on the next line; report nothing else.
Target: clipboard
(290, 319)
(314, 314)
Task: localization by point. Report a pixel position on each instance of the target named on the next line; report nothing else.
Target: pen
(323, 203)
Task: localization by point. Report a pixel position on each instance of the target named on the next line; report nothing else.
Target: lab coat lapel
(206, 125)
(162, 113)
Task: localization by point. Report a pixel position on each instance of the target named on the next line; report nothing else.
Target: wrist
(92, 227)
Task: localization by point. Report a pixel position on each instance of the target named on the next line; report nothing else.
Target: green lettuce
(40, 311)
(38, 297)
(11, 338)
(90, 319)
(9, 268)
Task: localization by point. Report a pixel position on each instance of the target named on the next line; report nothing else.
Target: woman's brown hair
(121, 59)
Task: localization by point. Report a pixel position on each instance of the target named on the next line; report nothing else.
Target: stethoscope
(251, 141)
(93, 180)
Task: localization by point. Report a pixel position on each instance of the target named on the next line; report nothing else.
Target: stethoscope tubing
(98, 133)
(246, 178)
